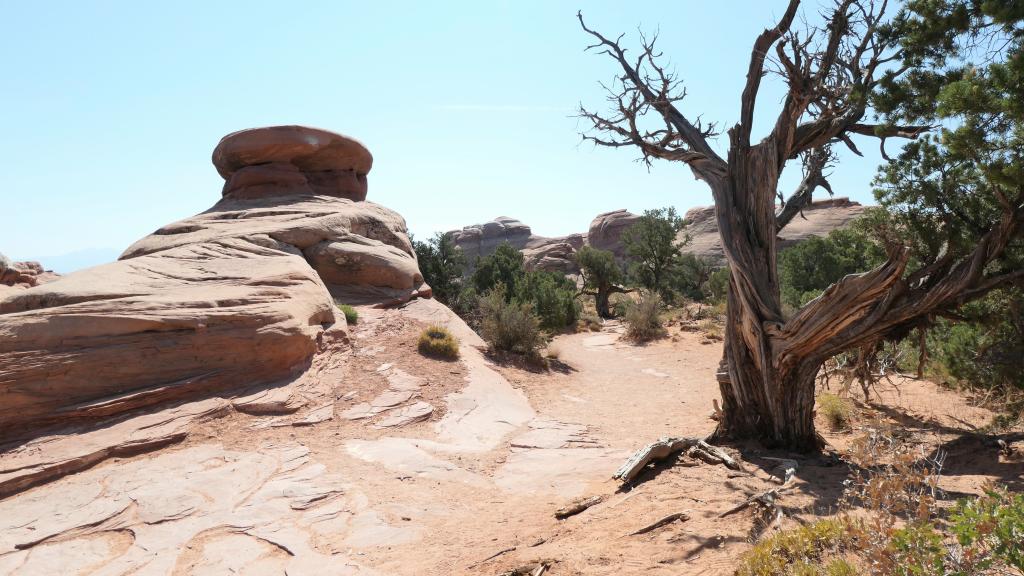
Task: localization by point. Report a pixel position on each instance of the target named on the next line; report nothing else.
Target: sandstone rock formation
(819, 218)
(606, 231)
(540, 253)
(237, 295)
(21, 275)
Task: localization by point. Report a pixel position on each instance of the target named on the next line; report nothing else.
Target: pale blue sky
(111, 109)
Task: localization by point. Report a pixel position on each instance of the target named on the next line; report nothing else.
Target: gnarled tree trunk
(770, 364)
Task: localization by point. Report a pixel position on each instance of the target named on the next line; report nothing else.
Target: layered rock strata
(240, 294)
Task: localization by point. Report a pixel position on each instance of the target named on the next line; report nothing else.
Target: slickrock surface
(238, 295)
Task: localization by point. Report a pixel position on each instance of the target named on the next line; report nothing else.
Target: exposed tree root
(577, 506)
(663, 522)
(665, 447)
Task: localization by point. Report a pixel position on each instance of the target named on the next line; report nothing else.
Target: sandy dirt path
(333, 488)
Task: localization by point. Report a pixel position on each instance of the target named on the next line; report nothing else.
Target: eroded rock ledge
(240, 294)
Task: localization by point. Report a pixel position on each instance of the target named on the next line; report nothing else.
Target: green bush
(439, 342)
(504, 266)
(442, 264)
(509, 326)
(351, 315)
(837, 412)
(807, 550)
(807, 269)
(553, 297)
(985, 349)
(643, 318)
(717, 286)
(550, 295)
(993, 527)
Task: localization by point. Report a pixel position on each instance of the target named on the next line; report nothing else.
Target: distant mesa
(605, 233)
(240, 294)
(285, 160)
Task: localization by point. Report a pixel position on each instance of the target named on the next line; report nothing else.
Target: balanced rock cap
(282, 160)
(308, 149)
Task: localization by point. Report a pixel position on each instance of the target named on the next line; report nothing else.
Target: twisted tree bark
(771, 362)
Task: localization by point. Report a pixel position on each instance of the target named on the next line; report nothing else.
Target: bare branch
(646, 86)
(755, 71)
(815, 163)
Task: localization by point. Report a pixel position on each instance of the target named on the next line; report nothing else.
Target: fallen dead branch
(766, 499)
(577, 506)
(665, 447)
(664, 521)
(532, 569)
(493, 556)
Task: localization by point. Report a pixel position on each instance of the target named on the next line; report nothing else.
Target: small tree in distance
(442, 265)
(602, 277)
(651, 246)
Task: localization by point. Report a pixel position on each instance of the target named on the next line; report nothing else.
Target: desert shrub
(620, 304)
(837, 412)
(552, 296)
(553, 352)
(591, 322)
(991, 529)
(509, 326)
(984, 349)
(351, 315)
(439, 342)
(807, 550)
(711, 329)
(503, 266)
(807, 269)
(643, 318)
(691, 277)
(717, 285)
(442, 264)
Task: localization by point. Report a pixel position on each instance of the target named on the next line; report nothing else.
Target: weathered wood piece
(577, 506)
(665, 447)
(662, 522)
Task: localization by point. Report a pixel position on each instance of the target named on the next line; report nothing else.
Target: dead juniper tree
(770, 362)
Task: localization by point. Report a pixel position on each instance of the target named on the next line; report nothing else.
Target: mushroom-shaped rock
(288, 160)
(238, 295)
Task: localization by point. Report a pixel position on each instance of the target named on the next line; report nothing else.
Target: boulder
(238, 295)
(553, 254)
(481, 240)
(20, 275)
(279, 160)
(606, 231)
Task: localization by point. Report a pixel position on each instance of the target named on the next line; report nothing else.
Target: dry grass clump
(837, 412)
(643, 319)
(812, 550)
(711, 329)
(590, 322)
(438, 342)
(351, 315)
